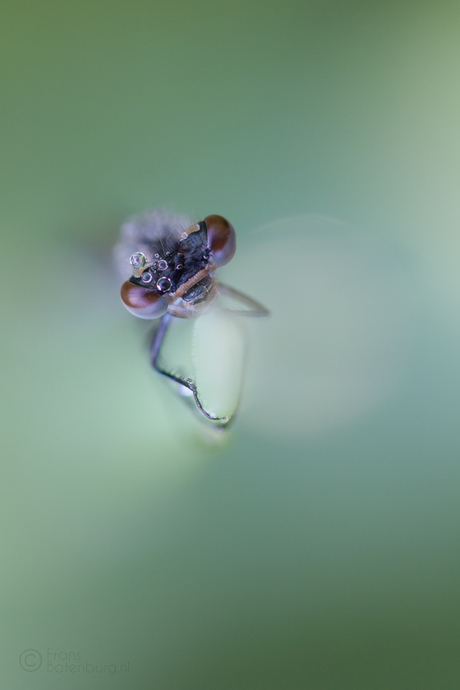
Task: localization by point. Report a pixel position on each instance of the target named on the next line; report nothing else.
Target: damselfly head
(178, 279)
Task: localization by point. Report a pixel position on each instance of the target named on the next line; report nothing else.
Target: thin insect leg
(255, 308)
(186, 382)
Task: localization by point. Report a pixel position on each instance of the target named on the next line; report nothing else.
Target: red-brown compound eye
(221, 239)
(146, 304)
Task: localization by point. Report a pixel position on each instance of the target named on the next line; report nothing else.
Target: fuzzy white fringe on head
(139, 233)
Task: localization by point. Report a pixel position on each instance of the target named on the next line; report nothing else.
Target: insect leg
(155, 349)
(254, 307)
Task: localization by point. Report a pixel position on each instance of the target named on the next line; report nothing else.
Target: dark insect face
(181, 272)
(169, 271)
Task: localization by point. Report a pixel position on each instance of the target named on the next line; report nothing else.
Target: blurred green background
(319, 546)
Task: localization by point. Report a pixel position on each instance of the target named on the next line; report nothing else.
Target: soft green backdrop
(319, 546)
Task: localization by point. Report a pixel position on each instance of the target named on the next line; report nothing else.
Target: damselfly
(170, 265)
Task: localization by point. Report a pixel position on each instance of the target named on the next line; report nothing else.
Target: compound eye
(221, 239)
(146, 304)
